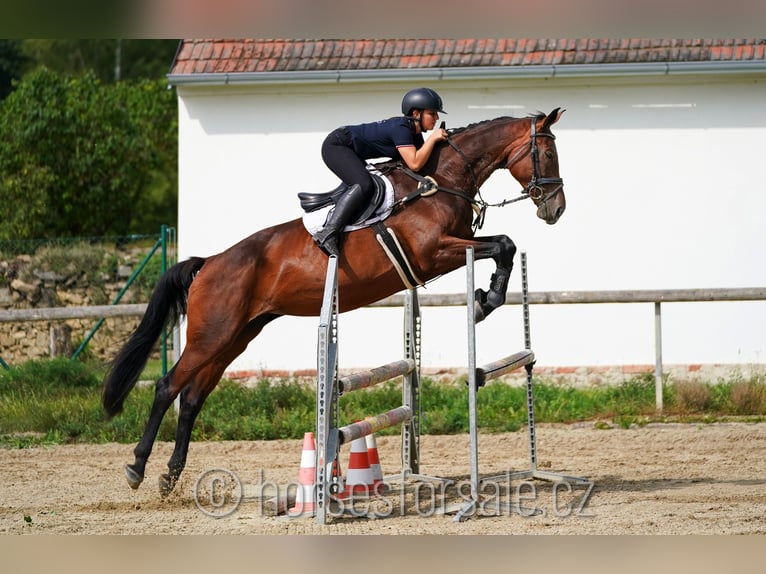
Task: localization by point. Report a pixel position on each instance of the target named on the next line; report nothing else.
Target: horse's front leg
(502, 250)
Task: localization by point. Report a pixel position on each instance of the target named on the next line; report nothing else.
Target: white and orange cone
(359, 479)
(304, 499)
(372, 456)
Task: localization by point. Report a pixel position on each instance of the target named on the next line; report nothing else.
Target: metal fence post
(657, 356)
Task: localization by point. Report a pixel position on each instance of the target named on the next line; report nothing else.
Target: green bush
(80, 157)
(267, 411)
(53, 375)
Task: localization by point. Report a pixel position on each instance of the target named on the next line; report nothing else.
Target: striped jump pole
(506, 365)
(373, 424)
(374, 376)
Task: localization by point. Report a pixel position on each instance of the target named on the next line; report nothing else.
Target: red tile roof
(253, 55)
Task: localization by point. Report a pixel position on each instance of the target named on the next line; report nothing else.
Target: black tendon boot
(346, 207)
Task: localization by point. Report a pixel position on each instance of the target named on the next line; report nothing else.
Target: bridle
(535, 188)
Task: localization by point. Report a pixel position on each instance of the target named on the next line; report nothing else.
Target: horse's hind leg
(193, 397)
(163, 398)
(166, 391)
(502, 250)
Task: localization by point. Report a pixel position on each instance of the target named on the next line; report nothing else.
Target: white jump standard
(330, 437)
(477, 377)
(329, 388)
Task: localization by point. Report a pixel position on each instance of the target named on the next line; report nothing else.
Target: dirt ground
(659, 479)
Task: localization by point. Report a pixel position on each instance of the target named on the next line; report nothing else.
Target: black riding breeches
(340, 157)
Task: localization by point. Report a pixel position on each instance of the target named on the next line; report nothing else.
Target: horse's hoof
(478, 312)
(166, 484)
(134, 478)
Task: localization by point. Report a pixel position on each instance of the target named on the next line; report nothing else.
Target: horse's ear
(552, 118)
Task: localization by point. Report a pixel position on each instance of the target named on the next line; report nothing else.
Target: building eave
(750, 67)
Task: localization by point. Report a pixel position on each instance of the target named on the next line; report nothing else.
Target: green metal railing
(167, 236)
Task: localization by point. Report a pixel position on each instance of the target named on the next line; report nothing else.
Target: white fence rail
(655, 296)
(437, 300)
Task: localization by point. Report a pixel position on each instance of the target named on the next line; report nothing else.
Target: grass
(58, 401)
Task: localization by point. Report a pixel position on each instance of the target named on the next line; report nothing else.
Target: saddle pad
(315, 220)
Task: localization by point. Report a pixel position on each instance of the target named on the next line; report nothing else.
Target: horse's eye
(549, 154)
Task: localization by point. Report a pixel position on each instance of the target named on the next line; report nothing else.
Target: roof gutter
(471, 73)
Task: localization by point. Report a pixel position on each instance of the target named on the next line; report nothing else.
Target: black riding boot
(346, 207)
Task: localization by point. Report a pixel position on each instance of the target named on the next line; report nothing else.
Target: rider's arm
(416, 158)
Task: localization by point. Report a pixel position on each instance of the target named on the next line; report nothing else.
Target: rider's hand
(439, 134)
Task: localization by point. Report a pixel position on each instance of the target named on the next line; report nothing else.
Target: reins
(534, 189)
(427, 185)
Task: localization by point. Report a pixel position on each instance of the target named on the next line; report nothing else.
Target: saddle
(314, 201)
(318, 205)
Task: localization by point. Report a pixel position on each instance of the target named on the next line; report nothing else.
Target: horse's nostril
(555, 215)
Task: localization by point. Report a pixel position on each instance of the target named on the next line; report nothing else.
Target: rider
(345, 150)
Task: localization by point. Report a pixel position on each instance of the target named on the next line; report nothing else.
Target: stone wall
(37, 281)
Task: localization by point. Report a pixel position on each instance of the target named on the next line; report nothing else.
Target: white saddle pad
(315, 221)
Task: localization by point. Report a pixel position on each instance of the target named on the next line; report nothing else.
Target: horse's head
(525, 146)
(536, 166)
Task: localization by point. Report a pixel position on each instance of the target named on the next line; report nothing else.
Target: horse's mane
(389, 165)
(455, 131)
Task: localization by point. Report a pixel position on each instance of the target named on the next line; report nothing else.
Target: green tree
(110, 60)
(156, 112)
(79, 158)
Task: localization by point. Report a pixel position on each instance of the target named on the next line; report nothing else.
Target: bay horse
(229, 297)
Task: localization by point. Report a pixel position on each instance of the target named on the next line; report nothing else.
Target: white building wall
(664, 187)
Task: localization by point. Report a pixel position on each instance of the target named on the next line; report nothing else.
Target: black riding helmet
(421, 99)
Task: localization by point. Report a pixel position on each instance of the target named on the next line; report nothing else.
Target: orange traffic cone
(359, 478)
(304, 500)
(372, 456)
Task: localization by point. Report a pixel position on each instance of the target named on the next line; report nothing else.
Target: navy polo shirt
(380, 139)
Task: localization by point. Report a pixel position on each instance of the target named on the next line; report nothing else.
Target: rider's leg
(340, 157)
(350, 203)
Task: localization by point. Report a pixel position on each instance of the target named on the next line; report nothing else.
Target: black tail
(165, 308)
